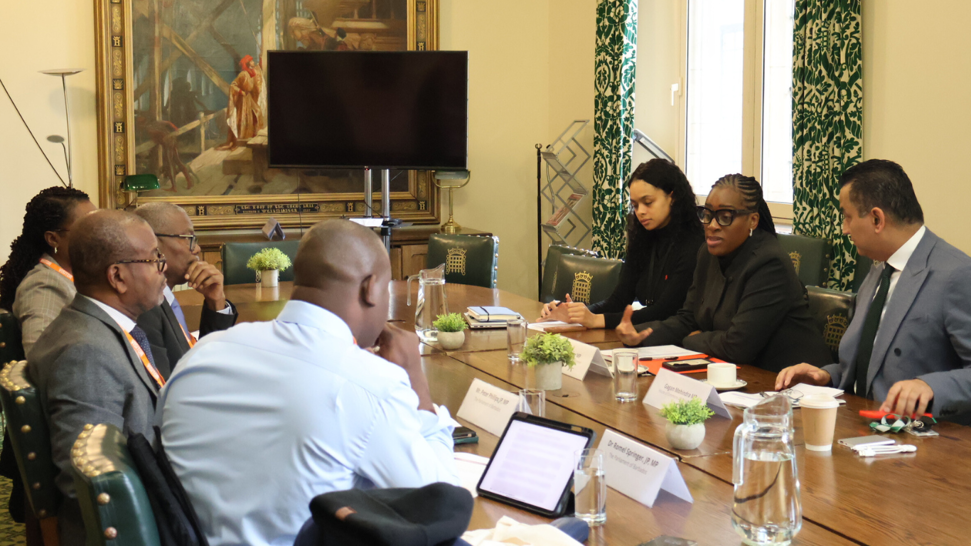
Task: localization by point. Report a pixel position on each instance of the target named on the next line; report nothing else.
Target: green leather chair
(810, 256)
(863, 265)
(586, 279)
(235, 256)
(11, 344)
(468, 259)
(832, 311)
(549, 267)
(30, 439)
(113, 500)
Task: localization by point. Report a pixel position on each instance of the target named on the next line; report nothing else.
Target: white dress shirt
(259, 419)
(122, 319)
(899, 261)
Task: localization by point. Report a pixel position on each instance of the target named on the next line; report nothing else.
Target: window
(738, 114)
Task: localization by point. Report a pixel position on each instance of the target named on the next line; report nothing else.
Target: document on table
(747, 400)
(542, 326)
(654, 353)
(470, 468)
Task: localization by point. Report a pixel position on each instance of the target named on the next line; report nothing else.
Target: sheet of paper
(488, 406)
(669, 386)
(470, 468)
(542, 326)
(747, 400)
(640, 472)
(661, 351)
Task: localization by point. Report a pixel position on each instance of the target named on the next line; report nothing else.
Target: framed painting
(182, 95)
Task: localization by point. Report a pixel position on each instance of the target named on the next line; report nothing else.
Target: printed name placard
(669, 386)
(588, 358)
(640, 472)
(488, 406)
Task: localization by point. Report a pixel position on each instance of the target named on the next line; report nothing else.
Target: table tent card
(640, 472)
(588, 358)
(669, 386)
(488, 406)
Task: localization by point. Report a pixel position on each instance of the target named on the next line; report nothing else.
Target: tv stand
(385, 222)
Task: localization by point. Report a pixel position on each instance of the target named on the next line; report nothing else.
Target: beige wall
(35, 36)
(917, 102)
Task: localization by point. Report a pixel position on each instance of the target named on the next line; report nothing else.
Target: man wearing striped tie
(166, 327)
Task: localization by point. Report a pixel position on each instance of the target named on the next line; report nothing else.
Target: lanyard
(189, 338)
(149, 367)
(57, 268)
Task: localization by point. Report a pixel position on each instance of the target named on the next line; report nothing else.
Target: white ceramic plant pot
(270, 278)
(549, 377)
(685, 436)
(451, 340)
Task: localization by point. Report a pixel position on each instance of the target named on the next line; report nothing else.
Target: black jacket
(166, 337)
(661, 288)
(756, 312)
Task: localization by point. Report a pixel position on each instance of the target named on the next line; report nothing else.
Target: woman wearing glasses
(663, 237)
(36, 282)
(746, 305)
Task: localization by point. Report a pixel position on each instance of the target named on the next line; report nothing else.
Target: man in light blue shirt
(259, 419)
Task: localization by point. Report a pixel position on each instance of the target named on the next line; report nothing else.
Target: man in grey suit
(168, 332)
(909, 343)
(93, 364)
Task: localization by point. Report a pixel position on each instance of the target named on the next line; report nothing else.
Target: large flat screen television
(347, 109)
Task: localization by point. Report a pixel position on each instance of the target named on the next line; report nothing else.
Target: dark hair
(49, 210)
(883, 184)
(751, 192)
(103, 239)
(667, 177)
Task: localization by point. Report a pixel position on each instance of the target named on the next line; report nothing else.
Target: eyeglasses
(192, 239)
(158, 260)
(724, 217)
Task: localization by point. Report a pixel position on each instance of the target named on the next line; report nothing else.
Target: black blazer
(756, 313)
(662, 289)
(165, 335)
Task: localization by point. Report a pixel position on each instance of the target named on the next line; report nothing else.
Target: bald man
(263, 417)
(166, 327)
(93, 364)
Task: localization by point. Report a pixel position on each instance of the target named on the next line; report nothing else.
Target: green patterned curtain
(613, 123)
(827, 121)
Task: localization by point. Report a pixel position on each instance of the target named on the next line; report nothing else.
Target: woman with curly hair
(663, 238)
(36, 282)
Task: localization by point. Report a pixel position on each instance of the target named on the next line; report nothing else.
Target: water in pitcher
(429, 307)
(766, 508)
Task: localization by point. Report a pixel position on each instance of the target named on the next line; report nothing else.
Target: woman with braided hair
(36, 282)
(745, 305)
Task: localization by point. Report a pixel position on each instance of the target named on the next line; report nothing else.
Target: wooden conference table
(915, 498)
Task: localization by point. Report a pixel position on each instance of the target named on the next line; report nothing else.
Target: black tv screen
(406, 110)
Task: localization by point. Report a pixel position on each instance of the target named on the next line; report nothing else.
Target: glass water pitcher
(767, 508)
(431, 301)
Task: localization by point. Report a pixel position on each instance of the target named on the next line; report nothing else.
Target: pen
(876, 414)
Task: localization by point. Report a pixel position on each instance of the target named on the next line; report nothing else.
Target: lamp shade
(140, 182)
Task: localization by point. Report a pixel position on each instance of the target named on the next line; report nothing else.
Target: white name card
(588, 358)
(640, 472)
(488, 406)
(669, 386)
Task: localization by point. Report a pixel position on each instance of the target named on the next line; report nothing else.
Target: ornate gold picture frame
(181, 95)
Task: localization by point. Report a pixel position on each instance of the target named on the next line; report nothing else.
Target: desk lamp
(135, 183)
(450, 180)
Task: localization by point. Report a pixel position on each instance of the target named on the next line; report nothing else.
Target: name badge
(488, 406)
(588, 358)
(640, 472)
(669, 386)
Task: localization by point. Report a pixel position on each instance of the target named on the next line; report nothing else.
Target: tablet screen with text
(533, 463)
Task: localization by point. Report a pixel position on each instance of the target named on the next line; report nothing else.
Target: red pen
(877, 414)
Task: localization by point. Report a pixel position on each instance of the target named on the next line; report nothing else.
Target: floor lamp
(64, 73)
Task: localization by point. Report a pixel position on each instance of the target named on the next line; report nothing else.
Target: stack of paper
(747, 400)
(654, 353)
(556, 324)
(470, 468)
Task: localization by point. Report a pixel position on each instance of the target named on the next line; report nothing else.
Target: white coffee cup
(819, 421)
(721, 374)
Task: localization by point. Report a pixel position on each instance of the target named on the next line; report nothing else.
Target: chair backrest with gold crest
(832, 311)
(553, 255)
(810, 257)
(586, 279)
(468, 259)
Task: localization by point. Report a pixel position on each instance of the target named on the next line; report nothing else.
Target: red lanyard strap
(57, 268)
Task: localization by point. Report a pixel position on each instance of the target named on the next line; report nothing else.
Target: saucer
(739, 384)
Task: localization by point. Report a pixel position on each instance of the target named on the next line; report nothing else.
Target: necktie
(179, 315)
(139, 336)
(869, 332)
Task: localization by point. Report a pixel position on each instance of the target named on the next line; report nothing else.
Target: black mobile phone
(464, 435)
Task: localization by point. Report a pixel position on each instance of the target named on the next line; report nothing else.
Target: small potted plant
(686, 422)
(268, 263)
(546, 355)
(451, 331)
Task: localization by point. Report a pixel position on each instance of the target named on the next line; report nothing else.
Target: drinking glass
(532, 401)
(625, 375)
(515, 338)
(590, 487)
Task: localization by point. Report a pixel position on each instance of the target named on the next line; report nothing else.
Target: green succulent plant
(686, 412)
(269, 259)
(452, 322)
(546, 349)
